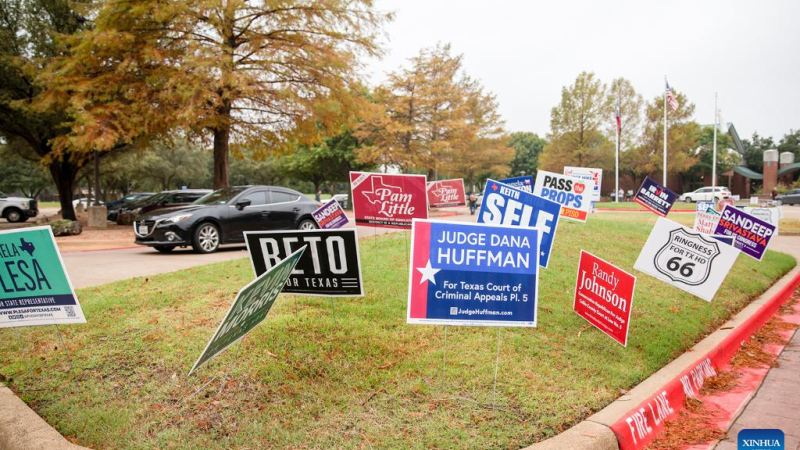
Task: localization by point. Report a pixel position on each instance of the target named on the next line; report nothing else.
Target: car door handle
(264, 213)
(296, 209)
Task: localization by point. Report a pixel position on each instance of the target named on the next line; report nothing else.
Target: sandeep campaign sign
(571, 193)
(446, 193)
(694, 262)
(249, 308)
(523, 183)
(751, 234)
(330, 215)
(34, 286)
(473, 274)
(390, 201)
(706, 222)
(330, 266)
(507, 206)
(770, 215)
(655, 197)
(604, 296)
(593, 177)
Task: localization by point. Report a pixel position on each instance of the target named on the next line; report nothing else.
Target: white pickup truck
(17, 209)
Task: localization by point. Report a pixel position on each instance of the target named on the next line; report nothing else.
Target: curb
(23, 429)
(632, 421)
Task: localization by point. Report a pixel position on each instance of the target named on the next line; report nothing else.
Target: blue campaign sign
(507, 206)
(655, 197)
(524, 183)
(473, 274)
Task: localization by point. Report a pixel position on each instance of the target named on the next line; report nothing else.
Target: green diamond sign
(249, 308)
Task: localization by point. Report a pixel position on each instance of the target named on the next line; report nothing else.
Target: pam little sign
(391, 201)
(655, 197)
(446, 193)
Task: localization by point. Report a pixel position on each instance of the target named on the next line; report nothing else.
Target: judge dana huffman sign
(473, 274)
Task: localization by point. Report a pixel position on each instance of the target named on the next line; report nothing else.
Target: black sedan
(790, 198)
(223, 216)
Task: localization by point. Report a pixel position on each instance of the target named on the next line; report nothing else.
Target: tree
(754, 151)
(704, 154)
(630, 105)
(527, 147)
(28, 31)
(330, 161)
(22, 174)
(790, 142)
(174, 163)
(240, 72)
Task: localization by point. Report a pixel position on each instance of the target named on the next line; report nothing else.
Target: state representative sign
(507, 206)
(330, 266)
(706, 222)
(446, 193)
(573, 194)
(593, 177)
(751, 234)
(604, 296)
(655, 197)
(770, 215)
(691, 261)
(390, 201)
(473, 274)
(250, 308)
(330, 215)
(523, 183)
(34, 286)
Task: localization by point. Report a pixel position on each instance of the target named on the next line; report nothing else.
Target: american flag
(619, 116)
(671, 100)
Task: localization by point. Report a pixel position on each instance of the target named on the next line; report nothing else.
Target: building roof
(791, 168)
(747, 173)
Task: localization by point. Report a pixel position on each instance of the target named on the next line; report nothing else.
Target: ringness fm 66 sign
(391, 201)
(473, 274)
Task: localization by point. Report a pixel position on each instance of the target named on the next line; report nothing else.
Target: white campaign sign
(593, 176)
(686, 259)
(706, 222)
(770, 215)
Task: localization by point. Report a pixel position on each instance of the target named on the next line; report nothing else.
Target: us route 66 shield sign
(681, 257)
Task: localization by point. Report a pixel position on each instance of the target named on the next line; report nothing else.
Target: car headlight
(176, 219)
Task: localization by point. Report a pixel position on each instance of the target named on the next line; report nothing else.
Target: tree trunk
(221, 140)
(64, 174)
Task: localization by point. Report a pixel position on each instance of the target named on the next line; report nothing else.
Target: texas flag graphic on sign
(383, 200)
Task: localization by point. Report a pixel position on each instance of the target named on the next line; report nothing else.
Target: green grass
(350, 373)
(49, 205)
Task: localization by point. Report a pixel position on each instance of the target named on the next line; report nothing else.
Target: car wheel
(164, 248)
(15, 215)
(307, 224)
(778, 202)
(206, 238)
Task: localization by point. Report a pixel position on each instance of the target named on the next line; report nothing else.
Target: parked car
(223, 216)
(790, 198)
(341, 199)
(85, 202)
(706, 194)
(17, 209)
(114, 207)
(128, 214)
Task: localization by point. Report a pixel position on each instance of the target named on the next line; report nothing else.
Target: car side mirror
(241, 204)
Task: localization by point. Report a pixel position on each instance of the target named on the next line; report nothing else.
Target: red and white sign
(724, 202)
(446, 193)
(391, 201)
(604, 296)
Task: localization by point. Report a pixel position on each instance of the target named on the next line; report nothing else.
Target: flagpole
(616, 168)
(714, 158)
(664, 179)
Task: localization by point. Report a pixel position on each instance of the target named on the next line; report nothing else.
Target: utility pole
(714, 157)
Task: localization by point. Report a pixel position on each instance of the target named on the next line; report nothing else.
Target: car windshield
(219, 197)
(148, 201)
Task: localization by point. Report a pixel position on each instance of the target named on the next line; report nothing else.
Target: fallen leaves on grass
(724, 381)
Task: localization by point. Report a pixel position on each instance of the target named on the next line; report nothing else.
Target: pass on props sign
(593, 177)
(694, 262)
(34, 286)
(750, 234)
(330, 215)
(523, 183)
(391, 201)
(573, 194)
(655, 197)
(604, 296)
(473, 274)
(446, 193)
(507, 206)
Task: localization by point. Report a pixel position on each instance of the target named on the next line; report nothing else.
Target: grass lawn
(350, 373)
(49, 205)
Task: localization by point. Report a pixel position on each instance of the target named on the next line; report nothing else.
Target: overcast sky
(525, 51)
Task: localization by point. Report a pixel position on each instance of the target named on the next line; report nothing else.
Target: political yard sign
(655, 197)
(604, 296)
(694, 262)
(523, 183)
(706, 222)
(390, 201)
(330, 215)
(34, 286)
(506, 206)
(573, 194)
(751, 235)
(473, 274)
(593, 177)
(249, 308)
(446, 193)
(703, 206)
(770, 215)
(329, 267)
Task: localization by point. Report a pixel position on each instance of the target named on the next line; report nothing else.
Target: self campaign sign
(507, 206)
(594, 177)
(390, 201)
(330, 215)
(473, 274)
(329, 267)
(571, 193)
(34, 286)
(523, 183)
(446, 193)
(655, 197)
(751, 235)
(604, 296)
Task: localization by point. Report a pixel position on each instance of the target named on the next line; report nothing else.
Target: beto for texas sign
(391, 201)
(446, 193)
(571, 193)
(473, 274)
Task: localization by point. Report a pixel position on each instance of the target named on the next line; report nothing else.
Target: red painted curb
(644, 422)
